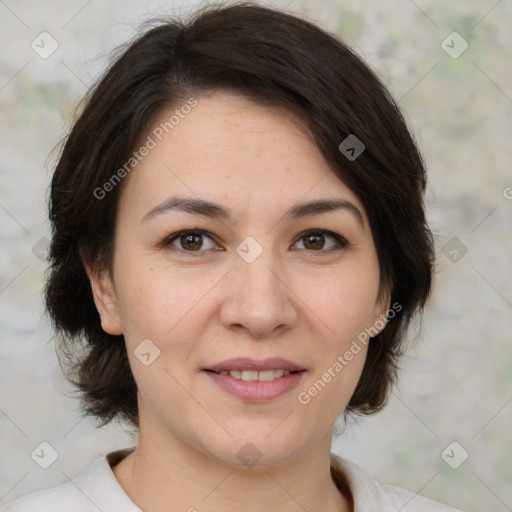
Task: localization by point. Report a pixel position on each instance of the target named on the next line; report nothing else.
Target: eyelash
(340, 240)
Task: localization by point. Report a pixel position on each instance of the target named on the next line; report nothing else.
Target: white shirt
(97, 489)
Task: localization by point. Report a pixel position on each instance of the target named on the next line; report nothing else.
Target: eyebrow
(215, 211)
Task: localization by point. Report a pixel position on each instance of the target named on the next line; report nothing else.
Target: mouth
(256, 381)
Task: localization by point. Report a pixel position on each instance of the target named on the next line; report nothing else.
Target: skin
(299, 300)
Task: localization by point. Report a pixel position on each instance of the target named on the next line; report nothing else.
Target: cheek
(346, 302)
(151, 299)
(155, 300)
(345, 305)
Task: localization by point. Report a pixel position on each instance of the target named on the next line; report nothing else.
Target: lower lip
(256, 391)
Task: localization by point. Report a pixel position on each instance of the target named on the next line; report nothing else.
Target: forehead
(229, 149)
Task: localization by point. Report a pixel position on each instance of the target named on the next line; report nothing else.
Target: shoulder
(96, 488)
(400, 499)
(56, 499)
(370, 495)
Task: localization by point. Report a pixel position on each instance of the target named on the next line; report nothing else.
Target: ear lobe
(105, 300)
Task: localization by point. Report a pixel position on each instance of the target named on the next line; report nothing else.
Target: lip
(256, 391)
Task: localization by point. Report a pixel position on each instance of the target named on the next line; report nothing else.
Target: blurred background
(446, 432)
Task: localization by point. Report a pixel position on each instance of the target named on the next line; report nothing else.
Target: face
(238, 301)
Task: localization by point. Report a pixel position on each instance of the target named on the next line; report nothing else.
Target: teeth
(249, 375)
(252, 375)
(266, 375)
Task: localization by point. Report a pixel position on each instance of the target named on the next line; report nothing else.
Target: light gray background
(456, 384)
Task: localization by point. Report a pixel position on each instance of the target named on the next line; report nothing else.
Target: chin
(255, 448)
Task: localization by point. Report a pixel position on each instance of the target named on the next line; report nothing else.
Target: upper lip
(243, 363)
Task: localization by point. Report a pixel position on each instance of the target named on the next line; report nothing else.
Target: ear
(105, 300)
(382, 305)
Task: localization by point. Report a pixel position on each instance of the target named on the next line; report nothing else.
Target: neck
(157, 474)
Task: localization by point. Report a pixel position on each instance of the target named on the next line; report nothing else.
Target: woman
(239, 239)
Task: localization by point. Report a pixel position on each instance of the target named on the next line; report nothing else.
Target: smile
(255, 386)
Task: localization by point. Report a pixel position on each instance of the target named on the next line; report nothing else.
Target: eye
(318, 240)
(199, 240)
(195, 240)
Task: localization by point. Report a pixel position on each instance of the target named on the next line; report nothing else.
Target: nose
(258, 298)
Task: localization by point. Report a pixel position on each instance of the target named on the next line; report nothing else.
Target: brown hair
(270, 57)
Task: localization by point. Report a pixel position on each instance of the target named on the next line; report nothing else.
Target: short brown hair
(270, 57)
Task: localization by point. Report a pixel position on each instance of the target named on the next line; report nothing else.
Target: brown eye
(314, 242)
(321, 241)
(191, 241)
